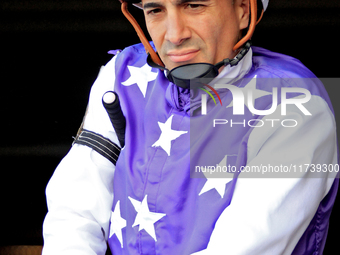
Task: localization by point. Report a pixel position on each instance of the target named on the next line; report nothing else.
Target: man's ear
(242, 8)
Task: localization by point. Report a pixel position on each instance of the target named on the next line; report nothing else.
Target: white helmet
(265, 4)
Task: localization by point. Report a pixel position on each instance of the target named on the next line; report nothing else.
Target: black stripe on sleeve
(100, 144)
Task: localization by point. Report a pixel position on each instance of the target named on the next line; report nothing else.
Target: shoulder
(279, 70)
(279, 65)
(135, 49)
(107, 74)
(132, 55)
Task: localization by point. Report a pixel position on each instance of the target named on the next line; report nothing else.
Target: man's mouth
(182, 56)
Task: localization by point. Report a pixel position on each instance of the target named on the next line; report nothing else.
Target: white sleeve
(80, 193)
(269, 215)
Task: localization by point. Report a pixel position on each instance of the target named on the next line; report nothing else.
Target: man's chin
(172, 62)
(172, 66)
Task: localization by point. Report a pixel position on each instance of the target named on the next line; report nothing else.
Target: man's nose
(177, 30)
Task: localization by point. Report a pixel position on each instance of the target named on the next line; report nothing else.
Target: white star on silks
(218, 183)
(257, 93)
(167, 135)
(144, 218)
(117, 224)
(140, 76)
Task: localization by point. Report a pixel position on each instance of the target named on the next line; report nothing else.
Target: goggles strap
(252, 25)
(141, 34)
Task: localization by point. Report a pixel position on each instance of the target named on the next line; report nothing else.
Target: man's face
(186, 31)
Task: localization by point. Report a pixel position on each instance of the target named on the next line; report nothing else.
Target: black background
(50, 54)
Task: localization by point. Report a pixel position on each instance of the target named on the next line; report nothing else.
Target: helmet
(211, 70)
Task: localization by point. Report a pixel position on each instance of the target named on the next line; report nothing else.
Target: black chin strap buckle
(197, 74)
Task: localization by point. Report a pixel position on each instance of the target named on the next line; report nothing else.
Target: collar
(232, 74)
(189, 100)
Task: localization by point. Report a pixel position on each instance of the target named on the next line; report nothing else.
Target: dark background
(50, 54)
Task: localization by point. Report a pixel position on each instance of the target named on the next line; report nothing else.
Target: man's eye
(154, 11)
(194, 6)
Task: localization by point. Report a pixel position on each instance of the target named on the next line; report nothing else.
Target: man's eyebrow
(152, 5)
(178, 2)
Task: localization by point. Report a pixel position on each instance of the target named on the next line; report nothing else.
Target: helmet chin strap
(197, 74)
